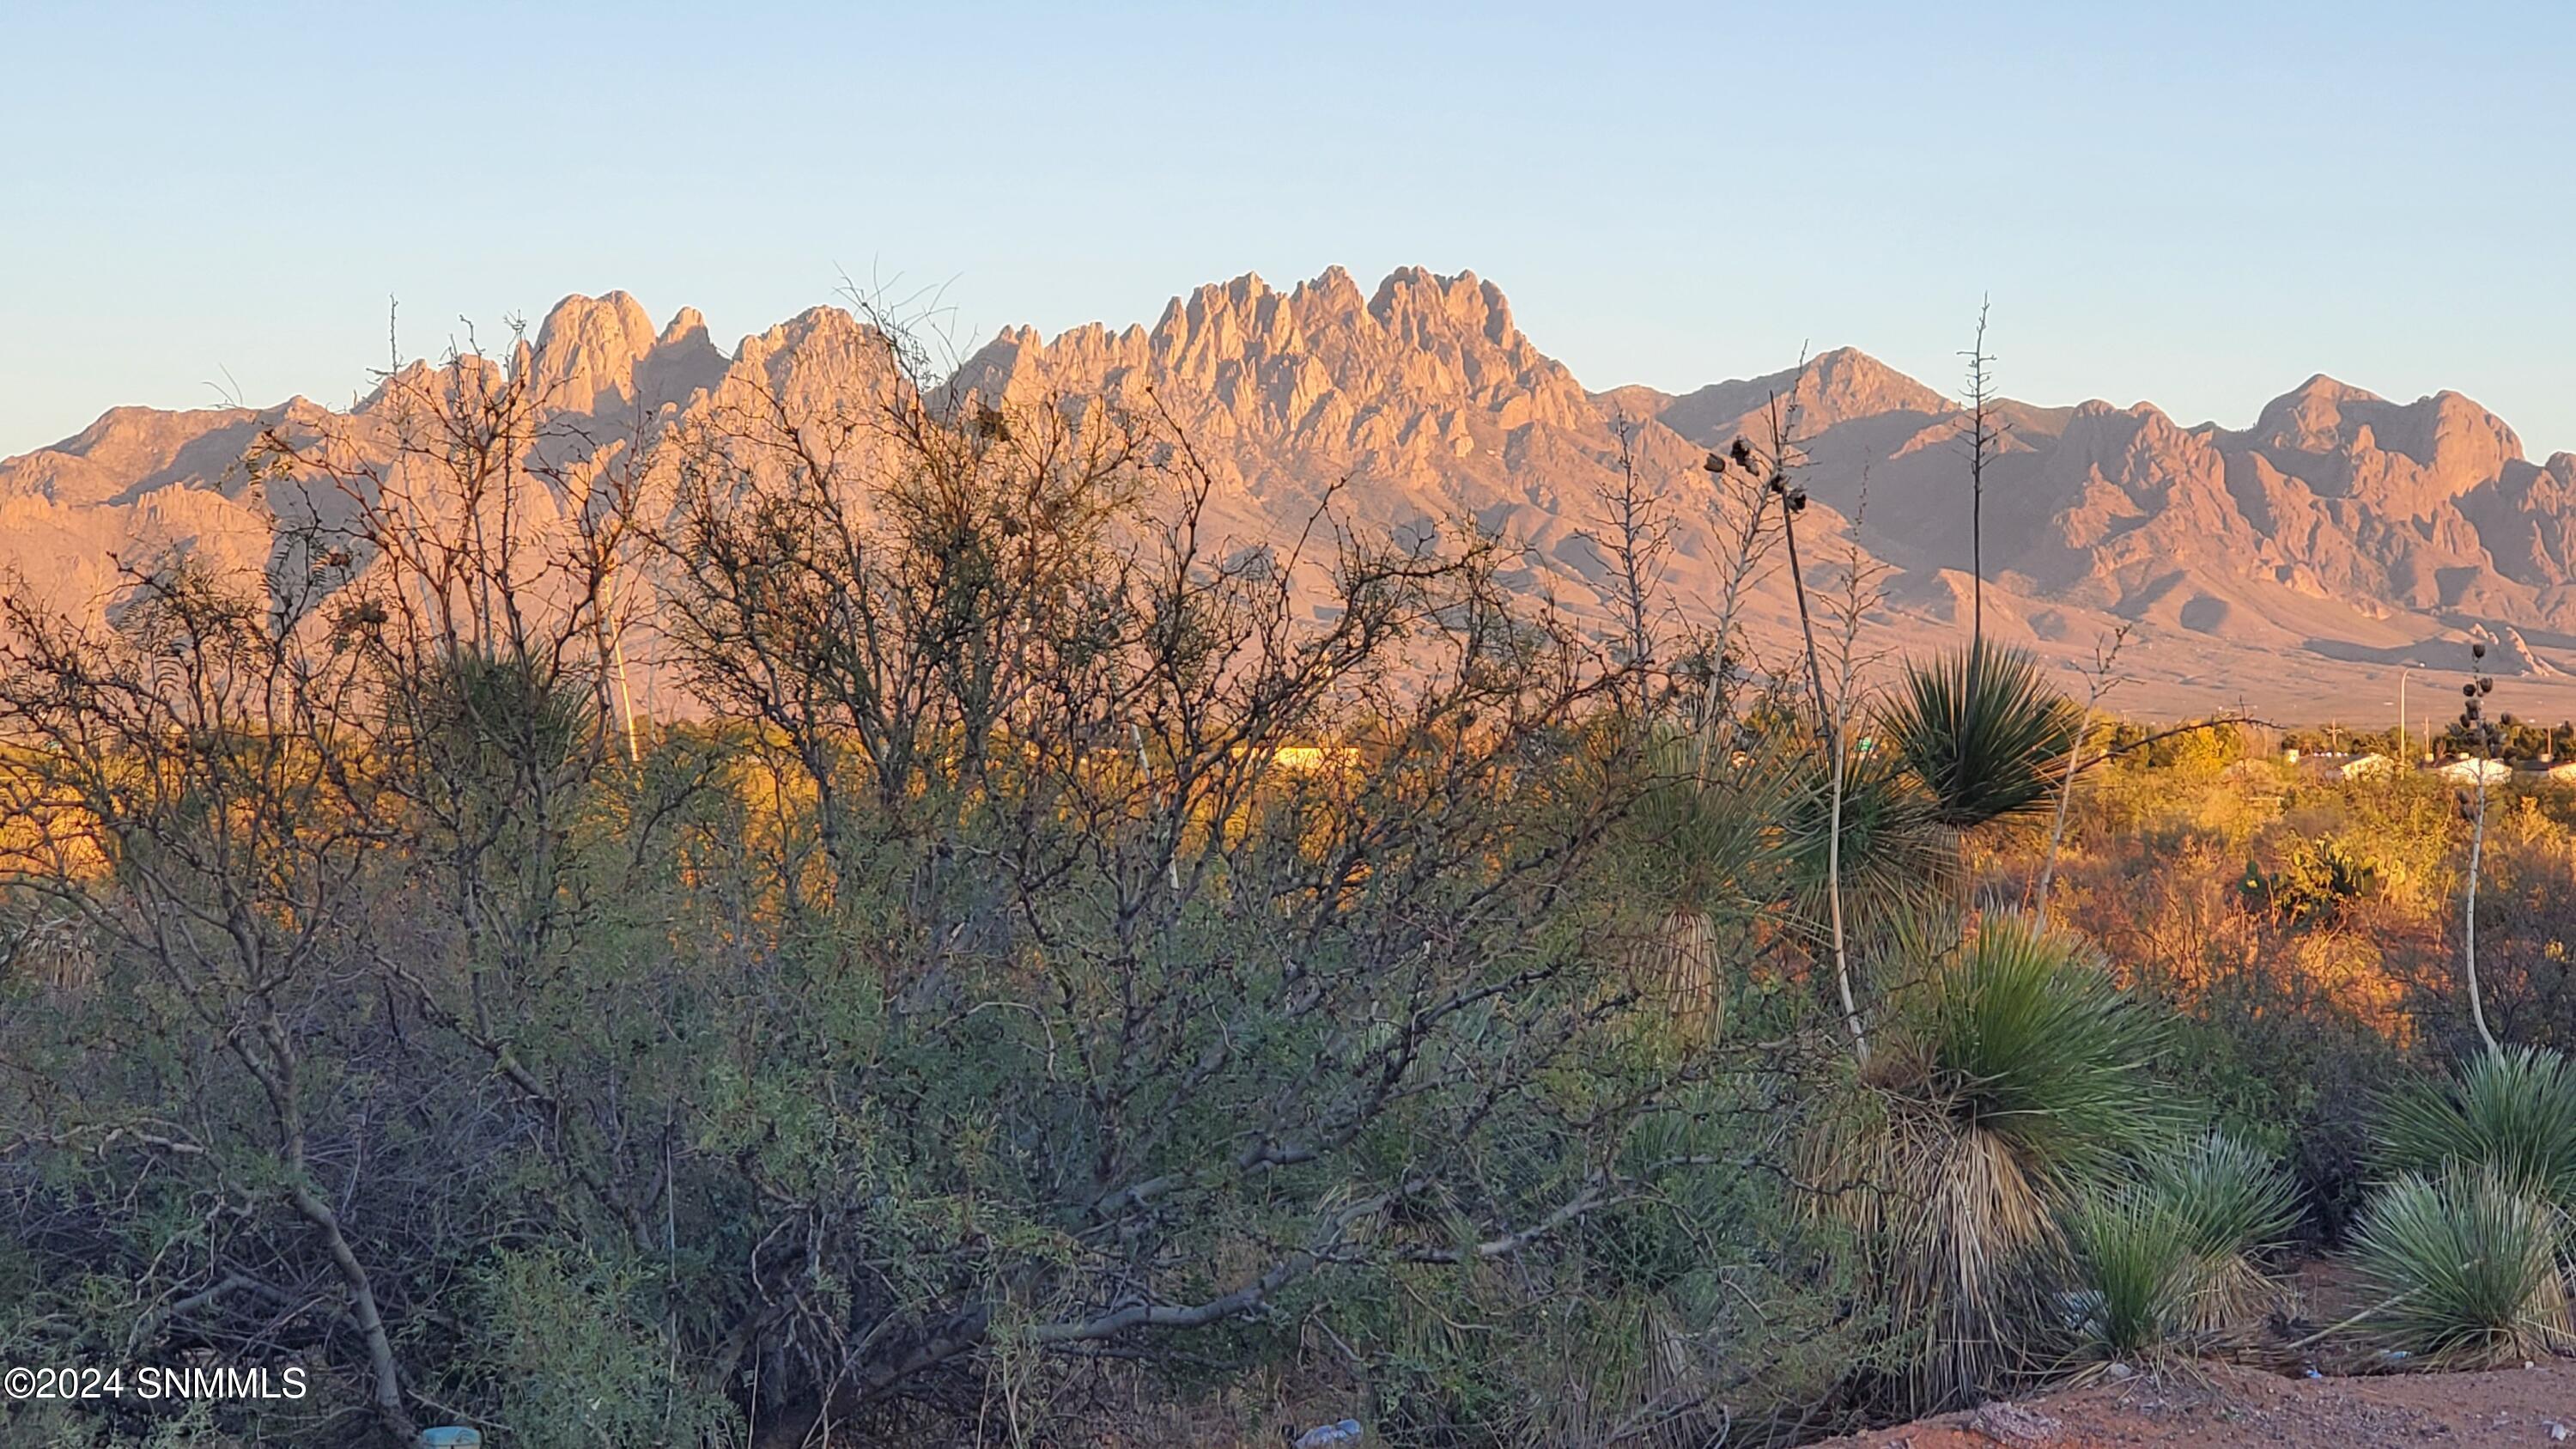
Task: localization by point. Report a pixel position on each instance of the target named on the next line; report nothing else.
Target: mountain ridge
(2336, 535)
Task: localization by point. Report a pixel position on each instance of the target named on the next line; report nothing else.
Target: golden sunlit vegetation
(1057, 981)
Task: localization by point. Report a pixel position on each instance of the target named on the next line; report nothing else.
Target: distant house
(2466, 771)
(2345, 767)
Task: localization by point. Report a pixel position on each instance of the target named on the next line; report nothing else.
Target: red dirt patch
(2212, 1405)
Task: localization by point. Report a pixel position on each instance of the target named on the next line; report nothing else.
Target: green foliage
(2468, 1263)
(1705, 818)
(1052, 973)
(2025, 1035)
(2230, 1199)
(2170, 1256)
(1896, 857)
(2510, 1112)
(2281, 1026)
(1668, 1303)
(569, 1361)
(2282, 1075)
(1984, 733)
(2315, 881)
(2009, 1081)
(2178, 754)
(975, 1018)
(479, 711)
(2131, 1252)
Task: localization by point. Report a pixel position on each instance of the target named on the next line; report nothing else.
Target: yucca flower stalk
(2484, 740)
(1778, 481)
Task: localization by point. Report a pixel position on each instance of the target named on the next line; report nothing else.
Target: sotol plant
(2230, 1202)
(2510, 1112)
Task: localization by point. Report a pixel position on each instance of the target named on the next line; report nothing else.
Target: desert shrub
(1667, 1324)
(1699, 851)
(2401, 831)
(2278, 1028)
(1055, 965)
(2468, 1262)
(2281, 1063)
(568, 1345)
(2195, 755)
(2024, 1035)
(2526, 924)
(2313, 882)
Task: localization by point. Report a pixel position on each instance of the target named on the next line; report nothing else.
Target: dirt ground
(2215, 1404)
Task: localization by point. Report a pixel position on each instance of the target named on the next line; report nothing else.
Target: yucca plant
(1676, 964)
(1708, 809)
(1983, 732)
(2511, 1111)
(2009, 1084)
(2170, 1255)
(2468, 1260)
(1895, 857)
(2138, 1276)
(1707, 822)
(2230, 1203)
(2027, 1037)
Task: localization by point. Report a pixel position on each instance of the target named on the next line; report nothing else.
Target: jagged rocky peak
(2407, 459)
(823, 358)
(2136, 448)
(587, 350)
(2310, 417)
(1248, 318)
(1415, 303)
(597, 353)
(2323, 415)
(1316, 361)
(2337, 515)
(686, 324)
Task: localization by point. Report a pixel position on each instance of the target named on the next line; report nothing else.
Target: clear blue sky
(2195, 204)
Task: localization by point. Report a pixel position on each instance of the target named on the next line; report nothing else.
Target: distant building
(2466, 771)
(2344, 766)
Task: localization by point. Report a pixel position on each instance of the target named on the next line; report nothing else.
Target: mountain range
(2292, 567)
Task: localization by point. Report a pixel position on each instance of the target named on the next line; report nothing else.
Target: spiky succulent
(1983, 732)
